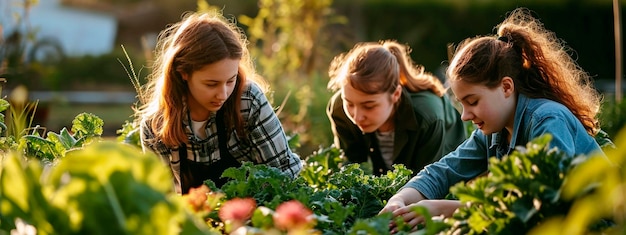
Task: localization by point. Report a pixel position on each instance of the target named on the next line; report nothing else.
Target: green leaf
(105, 181)
(4, 105)
(129, 134)
(63, 139)
(22, 196)
(520, 190)
(87, 124)
(37, 147)
(374, 225)
(263, 218)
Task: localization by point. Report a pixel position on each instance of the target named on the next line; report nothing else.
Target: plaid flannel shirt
(266, 143)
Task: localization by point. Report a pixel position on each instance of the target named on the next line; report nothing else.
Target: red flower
(237, 209)
(293, 215)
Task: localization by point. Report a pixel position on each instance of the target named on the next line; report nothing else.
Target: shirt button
(371, 150)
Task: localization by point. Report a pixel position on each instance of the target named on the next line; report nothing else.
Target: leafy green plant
(7, 142)
(86, 127)
(337, 195)
(597, 187)
(19, 117)
(21, 112)
(520, 191)
(104, 188)
(613, 116)
(129, 134)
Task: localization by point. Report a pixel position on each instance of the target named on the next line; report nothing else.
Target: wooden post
(618, 50)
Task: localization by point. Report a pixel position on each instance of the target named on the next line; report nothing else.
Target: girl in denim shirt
(514, 86)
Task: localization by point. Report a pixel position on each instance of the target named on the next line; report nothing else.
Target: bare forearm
(441, 207)
(407, 196)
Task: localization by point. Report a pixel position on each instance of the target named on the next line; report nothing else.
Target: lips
(479, 125)
(364, 127)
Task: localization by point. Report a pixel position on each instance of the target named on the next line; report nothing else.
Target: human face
(210, 86)
(490, 109)
(369, 112)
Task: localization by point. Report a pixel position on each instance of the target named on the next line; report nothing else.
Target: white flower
(22, 228)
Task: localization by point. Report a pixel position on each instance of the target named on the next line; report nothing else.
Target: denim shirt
(533, 118)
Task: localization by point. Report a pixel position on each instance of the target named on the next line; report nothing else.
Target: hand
(435, 207)
(400, 199)
(392, 205)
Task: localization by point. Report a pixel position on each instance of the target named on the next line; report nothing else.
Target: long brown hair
(182, 48)
(538, 62)
(375, 68)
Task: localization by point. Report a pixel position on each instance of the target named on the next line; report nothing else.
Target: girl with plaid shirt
(204, 109)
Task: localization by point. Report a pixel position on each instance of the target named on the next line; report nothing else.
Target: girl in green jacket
(387, 110)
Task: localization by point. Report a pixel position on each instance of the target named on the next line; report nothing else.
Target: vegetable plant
(74, 182)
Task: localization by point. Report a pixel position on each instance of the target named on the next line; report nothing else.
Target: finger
(401, 211)
(387, 209)
(415, 223)
(384, 210)
(407, 217)
(393, 227)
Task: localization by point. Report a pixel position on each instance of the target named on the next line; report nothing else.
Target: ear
(508, 86)
(397, 93)
(183, 75)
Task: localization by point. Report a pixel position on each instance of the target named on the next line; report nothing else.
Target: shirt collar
(405, 115)
(187, 122)
(520, 109)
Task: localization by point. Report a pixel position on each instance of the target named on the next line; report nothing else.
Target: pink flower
(293, 215)
(237, 209)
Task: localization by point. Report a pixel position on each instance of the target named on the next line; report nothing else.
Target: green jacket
(426, 128)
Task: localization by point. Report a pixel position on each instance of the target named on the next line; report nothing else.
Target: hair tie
(504, 39)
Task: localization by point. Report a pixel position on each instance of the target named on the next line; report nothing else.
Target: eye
(472, 102)
(348, 104)
(369, 107)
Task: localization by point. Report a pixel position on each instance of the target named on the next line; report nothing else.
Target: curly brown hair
(538, 61)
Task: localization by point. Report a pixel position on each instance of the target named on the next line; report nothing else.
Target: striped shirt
(266, 143)
(385, 144)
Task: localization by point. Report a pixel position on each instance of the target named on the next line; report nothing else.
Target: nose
(222, 92)
(466, 115)
(358, 115)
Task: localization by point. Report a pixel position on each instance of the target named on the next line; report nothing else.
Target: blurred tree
(287, 35)
(292, 44)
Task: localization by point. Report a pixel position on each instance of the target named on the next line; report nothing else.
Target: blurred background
(76, 56)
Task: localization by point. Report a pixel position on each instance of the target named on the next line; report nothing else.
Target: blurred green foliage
(612, 116)
(77, 73)
(598, 190)
(291, 44)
